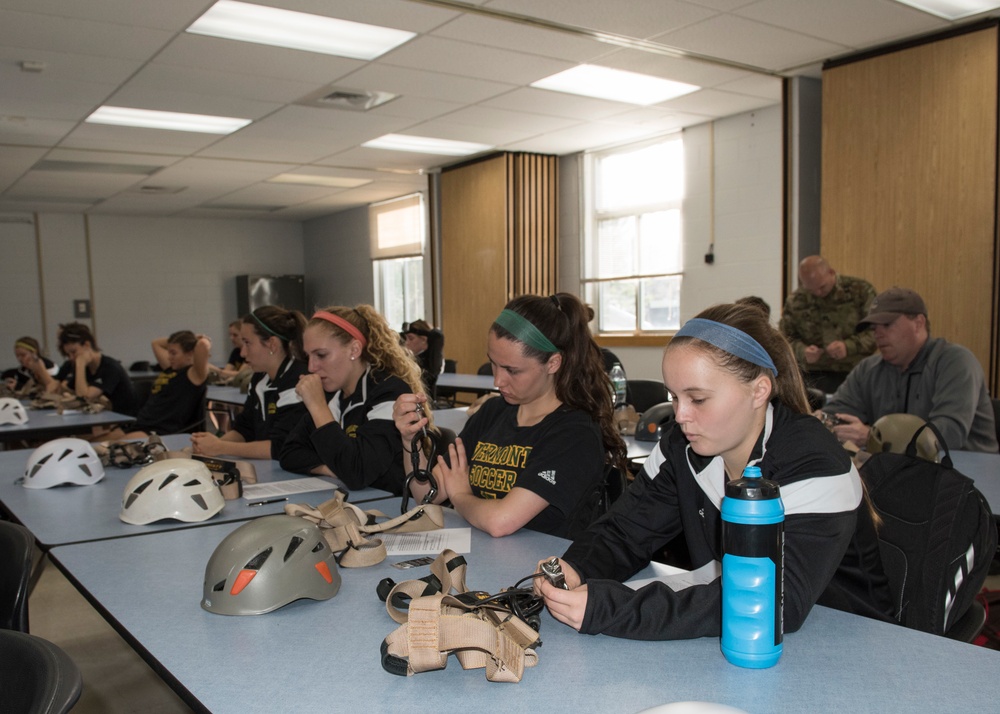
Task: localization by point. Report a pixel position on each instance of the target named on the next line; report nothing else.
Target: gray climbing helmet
(266, 564)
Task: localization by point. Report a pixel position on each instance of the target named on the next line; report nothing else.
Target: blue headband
(728, 339)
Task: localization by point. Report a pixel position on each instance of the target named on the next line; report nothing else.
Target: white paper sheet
(258, 491)
(428, 542)
(678, 579)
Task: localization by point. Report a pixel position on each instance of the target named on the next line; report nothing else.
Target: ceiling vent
(355, 100)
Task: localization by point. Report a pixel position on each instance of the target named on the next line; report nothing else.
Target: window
(632, 253)
(397, 230)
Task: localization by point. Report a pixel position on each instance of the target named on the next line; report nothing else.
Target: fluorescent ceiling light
(313, 180)
(233, 20)
(615, 84)
(173, 121)
(426, 145)
(952, 9)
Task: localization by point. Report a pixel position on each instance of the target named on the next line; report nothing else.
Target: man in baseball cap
(913, 373)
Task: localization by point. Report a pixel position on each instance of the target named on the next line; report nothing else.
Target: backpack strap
(911, 448)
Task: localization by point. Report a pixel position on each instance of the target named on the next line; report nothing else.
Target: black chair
(644, 393)
(36, 676)
(17, 556)
(444, 397)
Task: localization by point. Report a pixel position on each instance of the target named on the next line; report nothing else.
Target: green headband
(522, 329)
(268, 329)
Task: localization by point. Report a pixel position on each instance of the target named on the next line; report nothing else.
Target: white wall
(337, 258)
(745, 151)
(149, 276)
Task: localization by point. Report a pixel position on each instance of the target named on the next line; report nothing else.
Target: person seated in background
(532, 458)
(89, 373)
(235, 363)
(357, 369)
(819, 319)
(913, 373)
(427, 345)
(272, 347)
(739, 400)
(32, 364)
(176, 402)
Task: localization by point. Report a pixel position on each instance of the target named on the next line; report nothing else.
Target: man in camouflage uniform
(819, 320)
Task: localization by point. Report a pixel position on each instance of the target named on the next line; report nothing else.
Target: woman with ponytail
(738, 400)
(534, 457)
(357, 371)
(271, 344)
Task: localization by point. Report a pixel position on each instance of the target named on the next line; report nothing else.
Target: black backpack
(937, 536)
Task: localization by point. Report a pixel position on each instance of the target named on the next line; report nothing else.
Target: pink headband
(342, 324)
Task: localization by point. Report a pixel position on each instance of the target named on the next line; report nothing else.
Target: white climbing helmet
(173, 488)
(12, 412)
(63, 461)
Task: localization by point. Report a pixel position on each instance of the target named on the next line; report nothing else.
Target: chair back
(996, 416)
(36, 676)
(644, 393)
(16, 560)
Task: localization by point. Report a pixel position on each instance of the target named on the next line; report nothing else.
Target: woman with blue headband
(534, 457)
(271, 346)
(738, 400)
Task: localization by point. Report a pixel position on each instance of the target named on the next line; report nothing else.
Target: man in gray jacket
(914, 374)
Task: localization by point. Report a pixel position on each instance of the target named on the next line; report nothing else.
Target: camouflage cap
(892, 303)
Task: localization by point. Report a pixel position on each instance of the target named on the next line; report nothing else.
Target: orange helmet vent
(324, 570)
(242, 580)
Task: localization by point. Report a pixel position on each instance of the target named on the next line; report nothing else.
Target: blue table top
(226, 395)
(69, 514)
(984, 470)
(42, 422)
(316, 656)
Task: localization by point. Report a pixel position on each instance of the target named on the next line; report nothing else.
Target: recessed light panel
(426, 145)
(172, 121)
(617, 85)
(952, 9)
(314, 180)
(242, 21)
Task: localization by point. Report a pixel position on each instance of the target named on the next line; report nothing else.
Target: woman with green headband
(271, 346)
(534, 457)
(738, 400)
(176, 402)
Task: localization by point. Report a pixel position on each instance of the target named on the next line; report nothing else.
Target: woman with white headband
(533, 457)
(357, 369)
(738, 400)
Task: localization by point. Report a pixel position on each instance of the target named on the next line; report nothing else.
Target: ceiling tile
(521, 37)
(468, 60)
(750, 43)
(30, 30)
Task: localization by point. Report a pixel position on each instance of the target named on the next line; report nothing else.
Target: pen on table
(264, 503)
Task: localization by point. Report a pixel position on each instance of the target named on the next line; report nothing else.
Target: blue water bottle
(753, 546)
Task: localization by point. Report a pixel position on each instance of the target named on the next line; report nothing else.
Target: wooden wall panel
(909, 179)
(498, 240)
(473, 257)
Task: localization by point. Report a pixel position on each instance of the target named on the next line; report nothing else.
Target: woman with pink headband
(357, 370)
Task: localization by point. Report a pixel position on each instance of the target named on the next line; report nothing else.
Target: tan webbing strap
(449, 568)
(345, 527)
(479, 637)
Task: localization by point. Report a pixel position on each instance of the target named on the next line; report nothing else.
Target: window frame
(590, 285)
